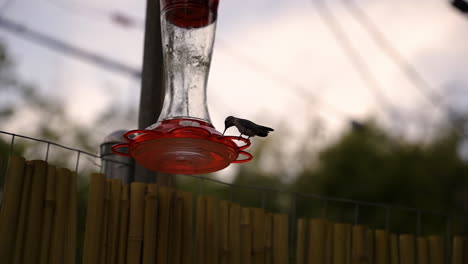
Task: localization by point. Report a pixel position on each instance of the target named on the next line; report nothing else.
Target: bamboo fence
(150, 224)
(164, 227)
(38, 214)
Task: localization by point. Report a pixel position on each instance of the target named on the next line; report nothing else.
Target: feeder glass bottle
(188, 30)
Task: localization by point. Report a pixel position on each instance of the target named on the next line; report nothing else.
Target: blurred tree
(45, 118)
(367, 164)
(24, 107)
(370, 165)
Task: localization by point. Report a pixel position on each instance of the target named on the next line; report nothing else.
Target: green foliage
(368, 164)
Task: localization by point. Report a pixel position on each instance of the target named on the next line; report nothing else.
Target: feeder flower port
(184, 141)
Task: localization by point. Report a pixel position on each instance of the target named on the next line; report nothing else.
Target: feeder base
(184, 155)
(183, 146)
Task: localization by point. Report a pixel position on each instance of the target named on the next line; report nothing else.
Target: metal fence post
(113, 165)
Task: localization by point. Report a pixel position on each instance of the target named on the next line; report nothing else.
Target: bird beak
(224, 131)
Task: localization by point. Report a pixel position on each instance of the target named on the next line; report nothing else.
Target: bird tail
(267, 128)
(264, 131)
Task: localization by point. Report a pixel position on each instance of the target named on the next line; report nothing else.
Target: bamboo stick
(114, 212)
(135, 229)
(201, 232)
(436, 250)
(269, 238)
(465, 251)
(329, 234)
(280, 239)
(49, 209)
(97, 187)
(317, 241)
(150, 224)
(105, 221)
(212, 230)
(61, 216)
(382, 246)
(422, 249)
(165, 201)
(35, 212)
(394, 249)
(187, 227)
(9, 211)
(359, 245)
(341, 236)
(457, 251)
(407, 255)
(23, 215)
(70, 246)
(258, 236)
(359, 252)
(348, 242)
(301, 241)
(123, 225)
(234, 233)
(370, 246)
(224, 232)
(246, 236)
(175, 249)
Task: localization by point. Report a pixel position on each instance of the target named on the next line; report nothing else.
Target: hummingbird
(246, 127)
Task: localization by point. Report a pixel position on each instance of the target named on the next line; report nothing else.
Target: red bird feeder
(184, 141)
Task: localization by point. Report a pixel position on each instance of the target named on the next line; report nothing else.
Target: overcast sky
(275, 61)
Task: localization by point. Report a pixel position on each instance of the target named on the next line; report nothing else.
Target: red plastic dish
(183, 146)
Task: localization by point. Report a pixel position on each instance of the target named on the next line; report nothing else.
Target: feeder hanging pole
(152, 86)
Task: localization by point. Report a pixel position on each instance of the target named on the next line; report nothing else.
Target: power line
(68, 49)
(460, 5)
(79, 9)
(79, 53)
(124, 20)
(355, 58)
(425, 89)
(300, 90)
(127, 21)
(95, 13)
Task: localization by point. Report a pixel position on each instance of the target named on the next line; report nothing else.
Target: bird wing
(248, 123)
(249, 128)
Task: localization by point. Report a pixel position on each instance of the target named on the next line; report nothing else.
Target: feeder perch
(184, 141)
